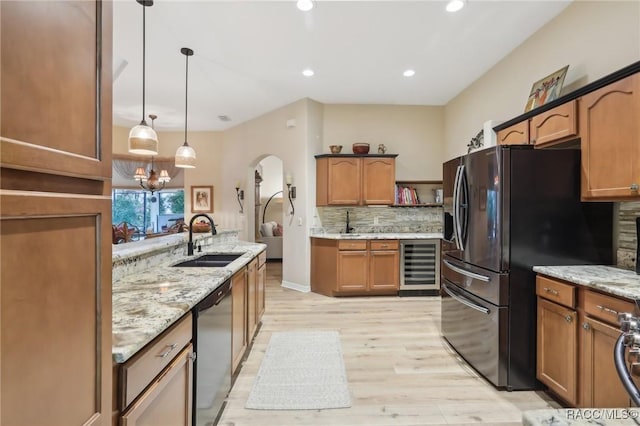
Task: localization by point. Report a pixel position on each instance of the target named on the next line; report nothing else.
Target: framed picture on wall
(202, 199)
(546, 90)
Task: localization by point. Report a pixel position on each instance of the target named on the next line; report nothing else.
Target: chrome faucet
(213, 231)
(348, 229)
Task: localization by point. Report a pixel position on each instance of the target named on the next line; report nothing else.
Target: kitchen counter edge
(609, 279)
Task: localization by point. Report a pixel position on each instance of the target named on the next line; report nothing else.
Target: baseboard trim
(295, 286)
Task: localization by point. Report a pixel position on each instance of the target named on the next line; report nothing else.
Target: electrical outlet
(299, 221)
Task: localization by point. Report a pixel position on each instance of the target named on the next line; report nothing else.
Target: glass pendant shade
(143, 140)
(185, 157)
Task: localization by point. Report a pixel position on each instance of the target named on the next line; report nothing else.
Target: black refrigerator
(506, 209)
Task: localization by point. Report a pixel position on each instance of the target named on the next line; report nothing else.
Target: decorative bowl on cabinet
(360, 148)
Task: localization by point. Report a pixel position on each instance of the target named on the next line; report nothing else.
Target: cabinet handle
(165, 354)
(552, 291)
(634, 187)
(384, 246)
(533, 141)
(607, 310)
(586, 326)
(568, 318)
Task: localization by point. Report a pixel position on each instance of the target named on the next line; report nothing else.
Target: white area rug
(301, 371)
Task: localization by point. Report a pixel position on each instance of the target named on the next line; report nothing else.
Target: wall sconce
(240, 195)
(291, 192)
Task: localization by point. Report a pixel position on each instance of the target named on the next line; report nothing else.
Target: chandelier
(152, 182)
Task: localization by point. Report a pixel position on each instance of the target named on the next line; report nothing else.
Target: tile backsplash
(627, 244)
(378, 219)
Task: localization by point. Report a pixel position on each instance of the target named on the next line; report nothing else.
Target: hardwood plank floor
(400, 371)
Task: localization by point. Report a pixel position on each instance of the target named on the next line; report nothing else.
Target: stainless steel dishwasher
(212, 344)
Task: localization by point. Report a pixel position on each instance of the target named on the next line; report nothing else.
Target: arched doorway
(269, 208)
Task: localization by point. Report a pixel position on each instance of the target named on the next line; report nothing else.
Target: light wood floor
(400, 371)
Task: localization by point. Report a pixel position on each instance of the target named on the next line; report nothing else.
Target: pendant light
(142, 138)
(153, 182)
(185, 155)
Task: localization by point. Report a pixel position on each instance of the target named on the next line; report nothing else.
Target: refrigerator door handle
(456, 209)
(465, 301)
(465, 272)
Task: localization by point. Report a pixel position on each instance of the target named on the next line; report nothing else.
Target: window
(148, 213)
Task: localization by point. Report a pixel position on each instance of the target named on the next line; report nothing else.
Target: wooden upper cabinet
(556, 125)
(344, 184)
(610, 133)
(55, 93)
(517, 134)
(378, 180)
(344, 180)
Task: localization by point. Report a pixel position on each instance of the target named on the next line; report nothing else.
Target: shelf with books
(418, 193)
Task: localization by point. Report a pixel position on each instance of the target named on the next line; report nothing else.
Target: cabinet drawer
(384, 245)
(262, 258)
(605, 307)
(352, 245)
(556, 125)
(139, 371)
(564, 294)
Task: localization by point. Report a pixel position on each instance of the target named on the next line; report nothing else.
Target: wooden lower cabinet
(169, 399)
(261, 285)
(239, 339)
(354, 267)
(600, 385)
(575, 353)
(557, 342)
(252, 295)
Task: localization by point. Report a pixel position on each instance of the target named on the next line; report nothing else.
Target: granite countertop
(382, 236)
(617, 281)
(147, 303)
(582, 416)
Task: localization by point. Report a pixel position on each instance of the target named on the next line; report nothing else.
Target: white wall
(416, 133)
(272, 178)
(595, 38)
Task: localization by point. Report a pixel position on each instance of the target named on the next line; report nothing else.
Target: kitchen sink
(215, 260)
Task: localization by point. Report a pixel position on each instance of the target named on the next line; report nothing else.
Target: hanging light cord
(186, 94)
(144, 10)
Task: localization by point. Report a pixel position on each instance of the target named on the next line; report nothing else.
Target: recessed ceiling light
(224, 118)
(455, 5)
(307, 73)
(409, 73)
(304, 5)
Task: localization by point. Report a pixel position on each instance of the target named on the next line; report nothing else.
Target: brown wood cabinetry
(610, 132)
(55, 217)
(547, 128)
(576, 335)
(518, 134)
(354, 267)
(155, 386)
(239, 340)
(556, 125)
(252, 297)
(262, 285)
(355, 180)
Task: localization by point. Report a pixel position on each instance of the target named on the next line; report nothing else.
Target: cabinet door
(599, 380)
(168, 400)
(55, 95)
(353, 270)
(557, 349)
(555, 125)
(344, 181)
(252, 301)
(378, 180)
(517, 134)
(55, 309)
(384, 270)
(610, 133)
(262, 286)
(239, 320)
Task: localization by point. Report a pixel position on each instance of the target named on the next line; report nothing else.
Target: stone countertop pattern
(617, 281)
(145, 304)
(582, 416)
(382, 236)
